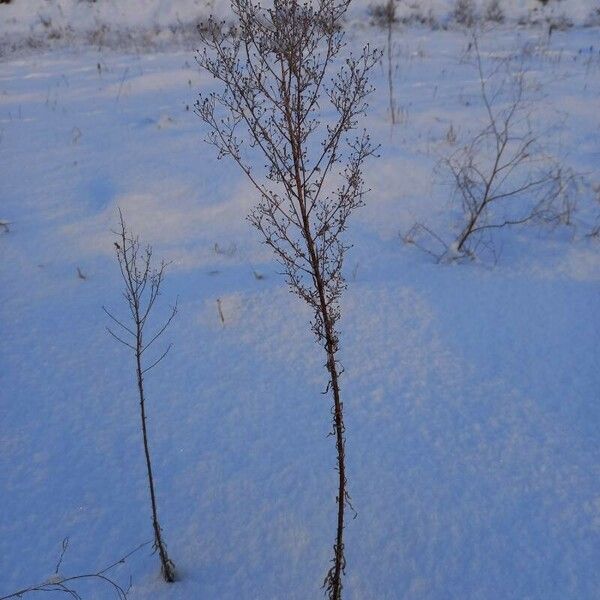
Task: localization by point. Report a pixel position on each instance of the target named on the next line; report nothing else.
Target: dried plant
(391, 20)
(65, 584)
(384, 15)
(142, 288)
(493, 12)
(503, 176)
(280, 69)
(594, 232)
(451, 136)
(464, 12)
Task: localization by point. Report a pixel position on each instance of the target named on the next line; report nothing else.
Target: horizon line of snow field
(39, 25)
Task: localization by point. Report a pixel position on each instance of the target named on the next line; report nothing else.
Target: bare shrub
(503, 176)
(278, 74)
(142, 288)
(494, 12)
(383, 14)
(464, 12)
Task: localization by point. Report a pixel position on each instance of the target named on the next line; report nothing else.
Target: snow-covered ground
(471, 390)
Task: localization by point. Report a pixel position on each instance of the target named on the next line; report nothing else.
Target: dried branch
(60, 584)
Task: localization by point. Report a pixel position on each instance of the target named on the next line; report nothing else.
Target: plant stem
(167, 569)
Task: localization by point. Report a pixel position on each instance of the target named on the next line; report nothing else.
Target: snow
(471, 390)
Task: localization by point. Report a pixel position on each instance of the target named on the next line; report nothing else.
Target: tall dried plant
(279, 70)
